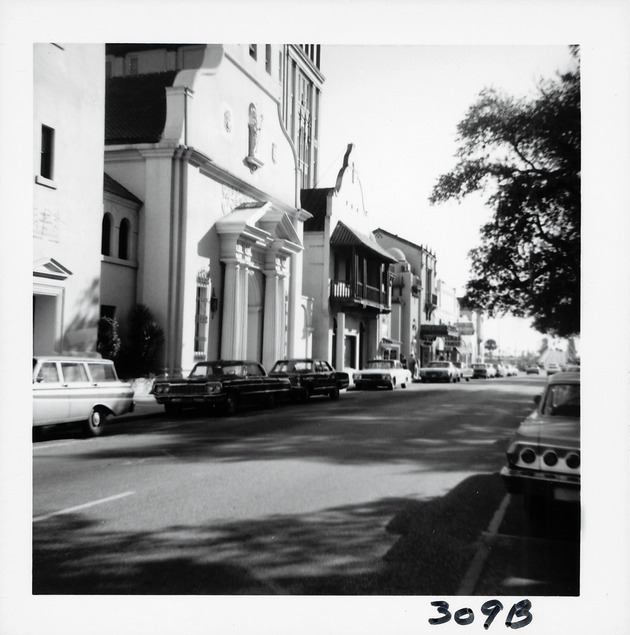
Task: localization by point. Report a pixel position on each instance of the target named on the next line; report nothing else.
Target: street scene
(378, 492)
(306, 324)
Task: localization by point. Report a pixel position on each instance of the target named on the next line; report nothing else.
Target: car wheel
(95, 423)
(230, 406)
(334, 393)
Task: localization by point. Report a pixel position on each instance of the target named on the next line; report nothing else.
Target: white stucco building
(207, 147)
(68, 121)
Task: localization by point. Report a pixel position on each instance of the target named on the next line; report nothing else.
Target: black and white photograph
(308, 323)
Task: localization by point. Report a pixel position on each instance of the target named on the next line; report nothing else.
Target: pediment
(51, 268)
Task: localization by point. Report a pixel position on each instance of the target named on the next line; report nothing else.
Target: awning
(438, 330)
(346, 236)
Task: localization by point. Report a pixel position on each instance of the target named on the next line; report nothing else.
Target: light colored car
(382, 373)
(543, 459)
(533, 370)
(552, 368)
(87, 389)
(440, 371)
(465, 372)
(483, 371)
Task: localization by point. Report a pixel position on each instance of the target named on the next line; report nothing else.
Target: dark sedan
(226, 384)
(311, 377)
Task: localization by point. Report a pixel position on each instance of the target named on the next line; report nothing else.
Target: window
(133, 66)
(73, 372)
(106, 235)
(47, 150)
(123, 239)
(268, 58)
(201, 313)
(48, 373)
(102, 372)
(253, 51)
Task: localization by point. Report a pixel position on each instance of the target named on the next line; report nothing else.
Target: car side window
(102, 372)
(253, 370)
(48, 373)
(73, 372)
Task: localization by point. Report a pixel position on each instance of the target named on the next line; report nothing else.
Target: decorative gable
(50, 268)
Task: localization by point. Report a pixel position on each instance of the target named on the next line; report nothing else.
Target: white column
(231, 311)
(341, 340)
(271, 319)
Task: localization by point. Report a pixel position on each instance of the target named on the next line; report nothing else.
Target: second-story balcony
(356, 293)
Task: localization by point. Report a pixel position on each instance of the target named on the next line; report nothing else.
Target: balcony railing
(356, 292)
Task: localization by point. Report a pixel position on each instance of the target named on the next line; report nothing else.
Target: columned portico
(257, 242)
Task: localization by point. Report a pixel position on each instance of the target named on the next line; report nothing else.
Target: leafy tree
(524, 156)
(140, 355)
(490, 346)
(108, 340)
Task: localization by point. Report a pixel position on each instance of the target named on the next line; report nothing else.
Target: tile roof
(135, 107)
(314, 201)
(114, 187)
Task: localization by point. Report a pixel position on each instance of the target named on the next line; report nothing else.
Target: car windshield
(562, 400)
(217, 368)
(438, 365)
(380, 363)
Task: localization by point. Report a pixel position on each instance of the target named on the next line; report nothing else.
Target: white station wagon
(69, 389)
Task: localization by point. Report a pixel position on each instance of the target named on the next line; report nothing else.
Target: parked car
(86, 389)
(311, 377)
(552, 368)
(532, 370)
(483, 371)
(228, 384)
(465, 372)
(500, 369)
(382, 373)
(543, 459)
(512, 370)
(440, 371)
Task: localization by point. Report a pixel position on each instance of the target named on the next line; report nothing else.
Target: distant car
(68, 389)
(532, 370)
(465, 372)
(572, 368)
(440, 371)
(228, 384)
(552, 368)
(543, 459)
(500, 369)
(382, 373)
(483, 371)
(310, 377)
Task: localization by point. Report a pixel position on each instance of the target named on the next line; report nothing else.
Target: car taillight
(528, 456)
(550, 458)
(573, 460)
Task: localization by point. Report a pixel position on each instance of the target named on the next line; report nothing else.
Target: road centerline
(75, 508)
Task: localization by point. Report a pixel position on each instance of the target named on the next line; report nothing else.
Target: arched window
(123, 239)
(106, 235)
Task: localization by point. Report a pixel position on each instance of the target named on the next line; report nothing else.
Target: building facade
(68, 121)
(196, 134)
(346, 272)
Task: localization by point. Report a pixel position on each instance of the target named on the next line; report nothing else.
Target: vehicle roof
(71, 358)
(299, 359)
(564, 378)
(228, 361)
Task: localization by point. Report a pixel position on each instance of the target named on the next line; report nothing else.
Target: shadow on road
(388, 547)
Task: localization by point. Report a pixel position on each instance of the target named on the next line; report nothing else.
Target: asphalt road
(380, 492)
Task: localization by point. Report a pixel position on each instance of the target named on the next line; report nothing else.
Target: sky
(400, 106)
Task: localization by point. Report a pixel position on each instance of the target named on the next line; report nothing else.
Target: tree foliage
(524, 156)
